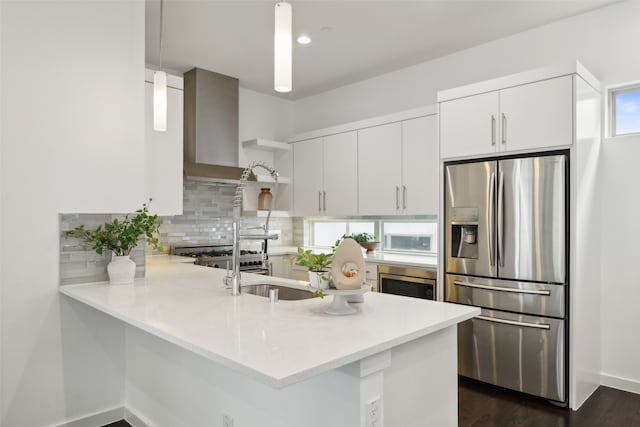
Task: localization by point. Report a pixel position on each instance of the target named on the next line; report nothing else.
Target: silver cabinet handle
(493, 130)
(503, 289)
(504, 129)
(319, 201)
(514, 322)
(324, 201)
(500, 218)
(397, 197)
(404, 197)
(492, 214)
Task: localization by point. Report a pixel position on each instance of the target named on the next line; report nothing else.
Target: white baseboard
(98, 419)
(135, 419)
(625, 384)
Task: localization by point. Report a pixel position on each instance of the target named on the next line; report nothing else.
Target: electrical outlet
(372, 413)
(227, 421)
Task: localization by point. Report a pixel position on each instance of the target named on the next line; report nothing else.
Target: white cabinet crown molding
(366, 123)
(525, 77)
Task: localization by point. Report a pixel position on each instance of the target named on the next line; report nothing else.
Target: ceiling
(351, 39)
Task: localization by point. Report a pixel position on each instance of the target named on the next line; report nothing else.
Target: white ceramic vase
(317, 282)
(121, 270)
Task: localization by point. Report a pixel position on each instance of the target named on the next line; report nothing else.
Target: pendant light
(160, 89)
(282, 47)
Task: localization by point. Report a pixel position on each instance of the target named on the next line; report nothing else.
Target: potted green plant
(366, 240)
(318, 265)
(120, 236)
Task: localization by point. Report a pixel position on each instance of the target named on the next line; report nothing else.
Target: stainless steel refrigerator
(507, 252)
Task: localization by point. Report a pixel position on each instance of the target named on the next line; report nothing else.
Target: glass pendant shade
(282, 47)
(160, 101)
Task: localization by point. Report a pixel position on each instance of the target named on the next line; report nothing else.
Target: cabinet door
(537, 115)
(340, 174)
(163, 155)
(279, 267)
(379, 170)
(420, 165)
(307, 177)
(469, 126)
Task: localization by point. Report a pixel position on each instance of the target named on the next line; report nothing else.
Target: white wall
(602, 40)
(71, 141)
(263, 116)
(620, 290)
(605, 41)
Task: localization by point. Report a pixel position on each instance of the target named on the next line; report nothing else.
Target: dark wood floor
(482, 405)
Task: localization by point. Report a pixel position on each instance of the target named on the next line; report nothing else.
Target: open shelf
(268, 178)
(263, 214)
(266, 145)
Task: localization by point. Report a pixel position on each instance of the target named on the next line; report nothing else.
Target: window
(325, 233)
(408, 236)
(625, 110)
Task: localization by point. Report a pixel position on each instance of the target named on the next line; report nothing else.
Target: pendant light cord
(161, 23)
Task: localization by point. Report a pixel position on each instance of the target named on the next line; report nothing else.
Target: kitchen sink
(284, 292)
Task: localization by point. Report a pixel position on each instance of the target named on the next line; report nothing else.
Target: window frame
(378, 231)
(612, 113)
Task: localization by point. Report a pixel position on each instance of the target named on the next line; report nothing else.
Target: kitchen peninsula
(195, 355)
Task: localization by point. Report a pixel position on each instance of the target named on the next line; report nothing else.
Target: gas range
(220, 256)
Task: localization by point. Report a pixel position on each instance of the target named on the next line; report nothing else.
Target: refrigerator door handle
(502, 289)
(500, 219)
(492, 202)
(514, 322)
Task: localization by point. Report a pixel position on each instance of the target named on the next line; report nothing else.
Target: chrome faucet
(234, 279)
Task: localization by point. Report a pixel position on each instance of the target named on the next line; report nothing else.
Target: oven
(407, 281)
(255, 261)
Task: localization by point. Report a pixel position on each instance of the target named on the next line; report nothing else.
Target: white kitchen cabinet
(371, 275)
(398, 168)
(279, 266)
(325, 175)
(420, 166)
(164, 154)
(307, 177)
(380, 169)
(525, 117)
(537, 115)
(340, 174)
(468, 126)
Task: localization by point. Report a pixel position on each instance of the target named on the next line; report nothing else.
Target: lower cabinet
(284, 266)
(372, 275)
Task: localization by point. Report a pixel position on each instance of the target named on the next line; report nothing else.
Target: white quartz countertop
(279, 344)
(424, 261)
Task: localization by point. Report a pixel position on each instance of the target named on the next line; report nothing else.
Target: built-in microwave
(407, 281)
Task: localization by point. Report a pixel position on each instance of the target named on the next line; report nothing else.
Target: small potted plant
(318, 266)
(120, 237)
(366, 240)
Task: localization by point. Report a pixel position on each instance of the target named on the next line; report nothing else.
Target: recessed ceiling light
(304, 39)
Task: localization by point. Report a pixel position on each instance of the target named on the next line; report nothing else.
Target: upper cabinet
(163, 151)
(380, 169)
(398, 168)
(325, 175)
(523, 117)
(420, 166)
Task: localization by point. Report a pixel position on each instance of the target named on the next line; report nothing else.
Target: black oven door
(415, 287)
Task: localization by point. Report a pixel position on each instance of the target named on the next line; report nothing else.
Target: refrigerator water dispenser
(464, 233)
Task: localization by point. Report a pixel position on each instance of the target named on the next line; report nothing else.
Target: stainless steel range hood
(211, 103)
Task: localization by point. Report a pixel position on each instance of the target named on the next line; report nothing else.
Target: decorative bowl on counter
(371, 247)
